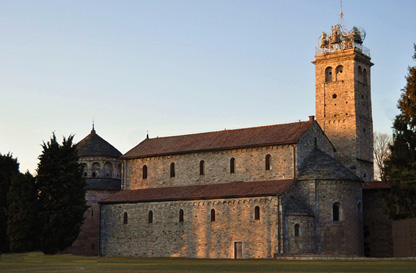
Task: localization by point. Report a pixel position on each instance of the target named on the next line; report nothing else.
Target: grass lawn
(37, 262)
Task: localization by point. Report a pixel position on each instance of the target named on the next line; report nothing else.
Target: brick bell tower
(343, 97)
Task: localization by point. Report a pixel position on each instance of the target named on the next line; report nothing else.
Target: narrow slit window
(257, 213)
(328, 74)
(150, 220)
(144, 172)
(232, 165)
(181, 216)
(296, 231)
(201, 167)
(125, 218)
(336, 212)
(268, 159)
(172, 169)
(212, 215)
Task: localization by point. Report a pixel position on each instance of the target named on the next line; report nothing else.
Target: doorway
(238, 250)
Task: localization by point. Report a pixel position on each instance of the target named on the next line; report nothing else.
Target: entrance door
(238, 250)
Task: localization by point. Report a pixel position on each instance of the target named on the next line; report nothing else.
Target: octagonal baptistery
(102, 170)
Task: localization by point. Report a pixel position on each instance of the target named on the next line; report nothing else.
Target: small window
(296, 230)
(180, 215)
(150, 217)
(172, 169)
(92, 213)
(144, 172)
(328, 74)
(268, 159)
(96, 169)
(125, 218)
(336, 212)
(338, 72)
(360, 71)
(201, 167)
(365, 76)
(212, 215)
(85, 174)
(108, 169)
(257, 213)
(232, 165)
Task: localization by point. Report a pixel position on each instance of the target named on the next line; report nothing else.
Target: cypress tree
(61, 195)
(22, 212)
(8, 168)
(400, 203)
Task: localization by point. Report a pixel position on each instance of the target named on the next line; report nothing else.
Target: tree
(61, 195)
(381, 152)
(22, 212)
(8, 168)
(400, 203)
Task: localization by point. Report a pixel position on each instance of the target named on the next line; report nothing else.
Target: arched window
(95, 169)
(232, 165)
(108, 167)
(144, 172)
(296, 230)
(172, 169)
(336, 212)
(212, 215)
(338, 72)
(360, 71)
(268, 159)
(180, 215)
(125, 218)
(201, 167)
(85, 168)
(328, 74)
(150, 217)
(257, 213)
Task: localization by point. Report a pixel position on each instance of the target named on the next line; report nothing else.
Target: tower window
(144, 172)
(172, 169)
(338, 72)
(268, 159)
(232, 165)
(257, 213)
(365, 76)
(201, 167)
(328, 74)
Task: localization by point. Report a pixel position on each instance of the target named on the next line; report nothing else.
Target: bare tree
(381, 152)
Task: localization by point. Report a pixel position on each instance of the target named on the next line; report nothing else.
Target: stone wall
(342, 237)
(197, 236)
(101, 167)
(249, 166)
(301, 239)
(343, 108)
(404, 238)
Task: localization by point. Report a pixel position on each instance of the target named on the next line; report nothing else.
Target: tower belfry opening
(343, 96)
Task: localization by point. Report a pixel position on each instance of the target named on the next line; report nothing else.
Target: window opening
(328, 74)
(257, 213)
(181, 215)
(201, 167)
(125, 219)
(212, 215)
(268, 159)
(336, 212)
(296, 230)
(232, 165)
(150, 217)
(144, 173)
(172, 169)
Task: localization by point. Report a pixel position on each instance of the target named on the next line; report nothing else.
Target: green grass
(37, 262)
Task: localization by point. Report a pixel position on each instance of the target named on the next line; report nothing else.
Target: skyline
(174, 68)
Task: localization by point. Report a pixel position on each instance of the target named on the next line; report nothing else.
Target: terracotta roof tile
(201, 192)
(221, 140)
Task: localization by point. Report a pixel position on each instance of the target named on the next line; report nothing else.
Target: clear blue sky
(179, 67)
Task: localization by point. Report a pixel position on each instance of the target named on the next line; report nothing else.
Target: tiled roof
(201, 192)
(94, 145)
(103, 184)
(375, 185)
(221, 140)
(319, 165)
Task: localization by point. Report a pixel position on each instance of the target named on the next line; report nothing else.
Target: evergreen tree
(8, 168)
(61, 195)
(400, 203)
(22, 213)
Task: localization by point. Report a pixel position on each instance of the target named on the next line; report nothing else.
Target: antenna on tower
(341, 21)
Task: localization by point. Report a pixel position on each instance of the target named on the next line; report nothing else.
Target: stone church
(261, 192)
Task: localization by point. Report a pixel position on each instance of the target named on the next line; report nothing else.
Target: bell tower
(343, 97)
